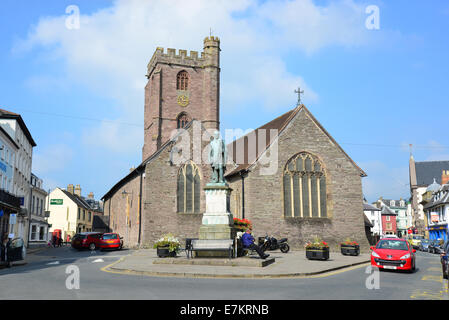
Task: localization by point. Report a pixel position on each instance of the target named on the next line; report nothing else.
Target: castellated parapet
(170, 57)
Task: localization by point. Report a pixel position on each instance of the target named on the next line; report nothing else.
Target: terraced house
(70, 212)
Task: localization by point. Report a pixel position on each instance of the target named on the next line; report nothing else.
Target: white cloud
(109, 53)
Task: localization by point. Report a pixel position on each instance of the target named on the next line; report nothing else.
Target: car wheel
(92, 246)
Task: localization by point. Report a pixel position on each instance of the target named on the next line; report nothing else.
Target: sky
(374, 74)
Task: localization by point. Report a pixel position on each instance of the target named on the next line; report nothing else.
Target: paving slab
(239, 262)
(291, 264)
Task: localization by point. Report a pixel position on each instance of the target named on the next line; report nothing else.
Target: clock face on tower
(183, 100)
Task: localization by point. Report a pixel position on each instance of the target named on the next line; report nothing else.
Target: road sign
(56, 201)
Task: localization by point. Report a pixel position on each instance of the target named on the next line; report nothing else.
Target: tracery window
(182, 80)
(189, 188)
(304, 187)
(182, 120)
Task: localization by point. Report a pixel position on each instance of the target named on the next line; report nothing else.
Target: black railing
(9, 199)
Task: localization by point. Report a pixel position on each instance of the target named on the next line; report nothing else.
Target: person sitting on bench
(248, 242)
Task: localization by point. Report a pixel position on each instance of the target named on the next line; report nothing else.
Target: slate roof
(5, 114)
(278, 124)
(426, 171)
(444, 199)
(397, 203)
(368, 207)
(80, 202)
(387, 211)
(141, 167)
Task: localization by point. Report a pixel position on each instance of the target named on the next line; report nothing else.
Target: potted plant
(241, 224)
(317, 249)
(167, 246)
(350, 248)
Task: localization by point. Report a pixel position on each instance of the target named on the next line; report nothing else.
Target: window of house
(182, 80)
(42, 233)
(33, 232)
(387, 218)
(188, 189)
(304, 187)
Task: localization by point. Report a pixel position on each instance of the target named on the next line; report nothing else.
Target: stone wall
(264, 196)
(161, 95)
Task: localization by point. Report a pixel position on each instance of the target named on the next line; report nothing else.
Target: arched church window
(189, 189)
(182, 80)
(182, 120)
(304, 187)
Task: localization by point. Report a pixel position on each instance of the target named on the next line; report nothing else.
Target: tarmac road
(47, 273)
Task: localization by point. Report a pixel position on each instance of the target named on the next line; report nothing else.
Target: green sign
(56, 201)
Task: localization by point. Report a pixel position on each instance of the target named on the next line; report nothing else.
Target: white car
(390, 236)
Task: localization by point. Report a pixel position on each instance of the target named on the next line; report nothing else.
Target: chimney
(70, 188)
(445, 177)
(78, 190)
(91, 195)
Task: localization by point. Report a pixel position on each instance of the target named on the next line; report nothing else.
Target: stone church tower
(181, 88)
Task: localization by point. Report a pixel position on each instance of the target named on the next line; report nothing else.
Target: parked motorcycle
(271, 243)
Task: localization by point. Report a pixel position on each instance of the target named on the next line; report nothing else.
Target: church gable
(297, 127)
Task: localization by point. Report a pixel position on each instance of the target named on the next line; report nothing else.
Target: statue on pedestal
(217, 158)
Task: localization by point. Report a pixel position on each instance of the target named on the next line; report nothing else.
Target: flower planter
(164, 252)
(317, 253)
(350, 250)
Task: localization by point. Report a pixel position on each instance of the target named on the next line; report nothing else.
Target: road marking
(432, 278)
(51, 263)
(98, 260)
(434, 269)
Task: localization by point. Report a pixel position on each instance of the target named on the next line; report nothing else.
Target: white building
(70, 212)
(14, 126)
(436, 209)
(374, 216)
(9, 203)
(38, 229)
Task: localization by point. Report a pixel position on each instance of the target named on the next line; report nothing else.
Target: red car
(393, 253)
(86, 240)
(111, 241)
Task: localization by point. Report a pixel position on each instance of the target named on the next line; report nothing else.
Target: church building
(289, 176)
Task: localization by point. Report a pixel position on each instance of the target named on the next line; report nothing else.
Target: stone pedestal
(217, 223)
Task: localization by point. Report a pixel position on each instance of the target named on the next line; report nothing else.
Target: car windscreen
(392, 245)
(79, 236)
(109, 236)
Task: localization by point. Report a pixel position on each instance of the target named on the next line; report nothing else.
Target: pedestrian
(5, 242)
(248, 242)
(68, 239)
(59, 242)
(54, 241)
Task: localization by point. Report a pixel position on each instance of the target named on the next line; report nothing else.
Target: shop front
(438, 231)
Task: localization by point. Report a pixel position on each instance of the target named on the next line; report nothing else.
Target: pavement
(291, 264)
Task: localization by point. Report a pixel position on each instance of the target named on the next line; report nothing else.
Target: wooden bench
(212, 245)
